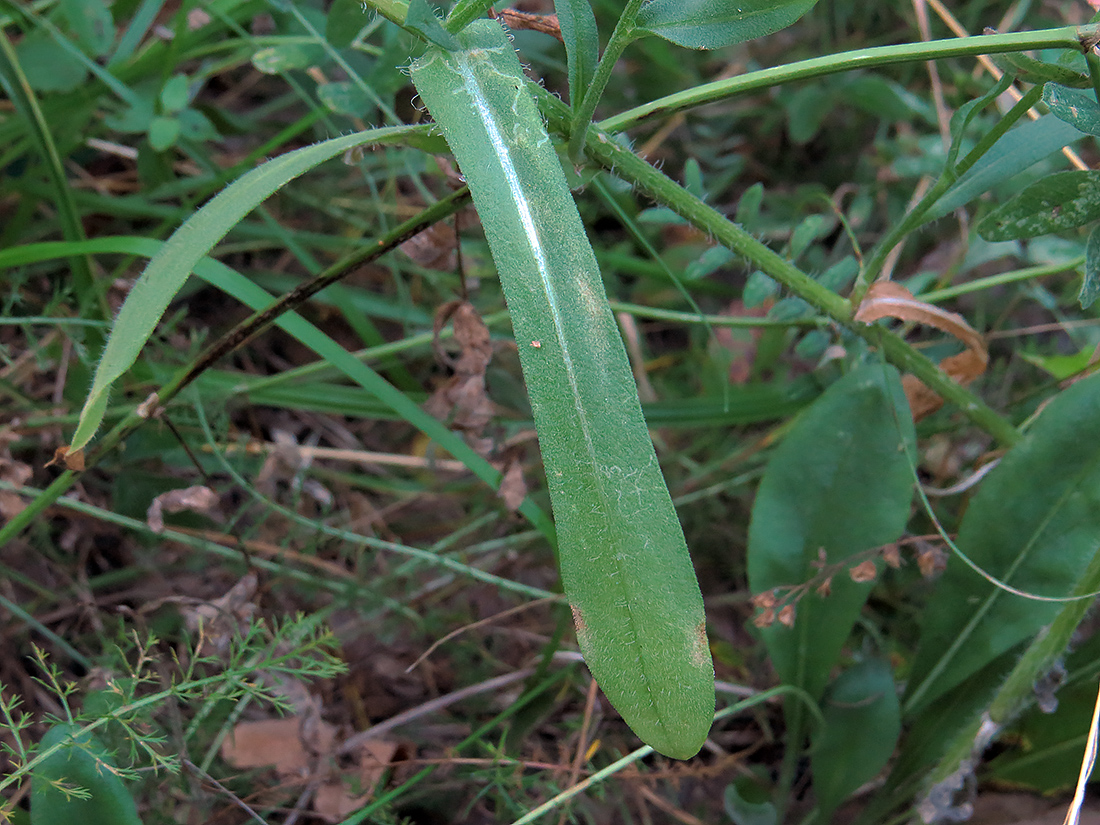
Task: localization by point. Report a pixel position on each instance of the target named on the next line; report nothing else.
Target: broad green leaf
(1016, 151)
(91, 23)
(862, 725)
(582, 46)
(838, 484)
(711, 24)
(80, 763)
(167, 272)
(49, 67)
(1064, 200)
(1090, 285)
(1079, 109)
(624, 563)
(345, 19)
(1033, 524)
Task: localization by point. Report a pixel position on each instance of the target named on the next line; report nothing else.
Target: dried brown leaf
(886, 299)
(765, 619)
(463, 397)
(513, 489)
(197, 499)
(891, 554)
(545, 23)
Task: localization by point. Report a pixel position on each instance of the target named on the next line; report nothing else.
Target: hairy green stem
(621, 37)
(1062, 38)
(464, 13)
(605, 150)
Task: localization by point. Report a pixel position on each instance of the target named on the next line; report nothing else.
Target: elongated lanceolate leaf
(1034, 524)
(82, 764)
(582, 45)
(1064, 200)
(839, 483)
(1017, 150)
(624, 563)
(167, 272)
(711, 24)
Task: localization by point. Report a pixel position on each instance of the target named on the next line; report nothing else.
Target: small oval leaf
(1079, 109)
(711, 24)
(1064, 200)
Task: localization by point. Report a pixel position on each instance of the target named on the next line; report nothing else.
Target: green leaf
(167, 272)
(286, 57)
(174, 95)
(1090, 285)
(80, 764)
(345, 19)
(47, 65)
(582, 46)
(1033, 524)
(1079, 109)
(1064, 200)
(862, 725)
(91, 24)
(746, 804)
(711, 24)
(624, 563)
(163, 132)
(422, 20)
(345, 97)
(1016, 151)
(838, 484)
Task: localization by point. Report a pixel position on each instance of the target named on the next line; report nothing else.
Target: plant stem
(1068, 37)
(1017, 691)
(605, 150)
(918, 214)
(621, 37)
(464, 13)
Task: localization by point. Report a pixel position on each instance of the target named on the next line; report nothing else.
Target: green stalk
(1068, 37)
(916, 216)
(621, 37)
(1017, 692)
(605, 150)
(464, 13)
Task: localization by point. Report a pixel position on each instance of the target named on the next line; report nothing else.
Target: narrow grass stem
(621, 37)
(243, 332)
(1068, 37)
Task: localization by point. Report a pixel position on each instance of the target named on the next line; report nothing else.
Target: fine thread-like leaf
(624, 562)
